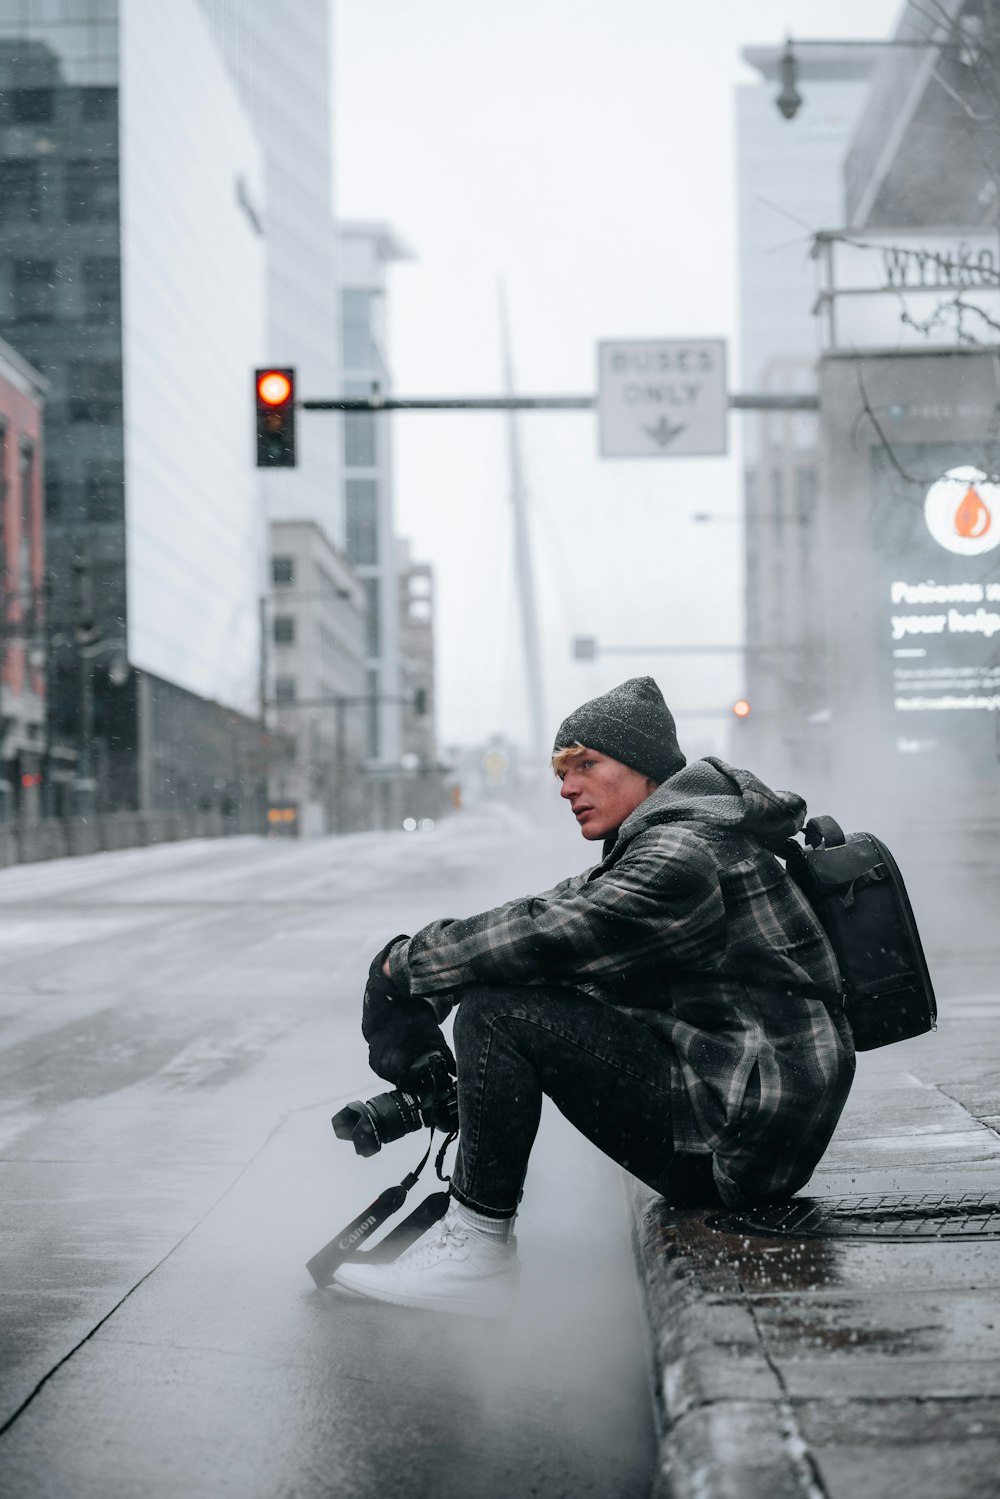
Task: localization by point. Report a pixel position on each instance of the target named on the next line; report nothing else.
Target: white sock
(497, 1230)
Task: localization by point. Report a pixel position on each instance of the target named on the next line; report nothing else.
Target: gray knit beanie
(631, 723)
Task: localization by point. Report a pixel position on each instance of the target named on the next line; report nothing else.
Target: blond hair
(564, 759)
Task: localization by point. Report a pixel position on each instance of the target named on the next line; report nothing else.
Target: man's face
(602, 792)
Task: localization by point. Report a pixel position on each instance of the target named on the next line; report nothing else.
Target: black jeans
(609, 1075)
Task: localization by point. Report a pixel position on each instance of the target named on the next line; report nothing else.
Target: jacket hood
(715, 794)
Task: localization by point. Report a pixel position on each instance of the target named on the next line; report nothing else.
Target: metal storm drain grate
(925, 1217)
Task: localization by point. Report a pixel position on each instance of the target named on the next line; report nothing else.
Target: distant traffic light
(274, 391)
(741, 708)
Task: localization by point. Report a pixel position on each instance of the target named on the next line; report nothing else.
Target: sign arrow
(664, 431)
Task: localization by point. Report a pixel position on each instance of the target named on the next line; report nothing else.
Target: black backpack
(855, 887)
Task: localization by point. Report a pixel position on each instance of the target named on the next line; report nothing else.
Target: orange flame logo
(972, 518)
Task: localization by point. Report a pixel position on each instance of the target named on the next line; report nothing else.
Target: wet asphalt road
(176, 1026)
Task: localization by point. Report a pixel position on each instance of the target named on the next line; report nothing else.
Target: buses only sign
(662, 398)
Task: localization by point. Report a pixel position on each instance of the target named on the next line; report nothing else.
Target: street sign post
(662, 398)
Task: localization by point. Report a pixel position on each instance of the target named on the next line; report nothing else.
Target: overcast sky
(584, 150)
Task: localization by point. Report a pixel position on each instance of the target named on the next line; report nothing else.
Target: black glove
(384, 1003)
(399, 1028)
(393, 1051)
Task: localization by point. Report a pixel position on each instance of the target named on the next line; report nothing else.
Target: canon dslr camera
(428, 1101)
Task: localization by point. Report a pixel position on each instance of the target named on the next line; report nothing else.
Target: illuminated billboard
(936, 536)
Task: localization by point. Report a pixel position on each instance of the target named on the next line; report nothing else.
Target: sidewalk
(831, 1366)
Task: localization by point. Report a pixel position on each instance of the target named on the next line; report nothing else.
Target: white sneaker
(451, 1268)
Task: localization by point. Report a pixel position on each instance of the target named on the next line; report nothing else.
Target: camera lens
(353, 1123)
(393, 1115)
(384, 1118)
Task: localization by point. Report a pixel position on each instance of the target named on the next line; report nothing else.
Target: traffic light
(741, 708)
(274, 391)
(420, 702)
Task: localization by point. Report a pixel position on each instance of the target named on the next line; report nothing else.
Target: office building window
(284, 629)
(31, 106)
(284, 689)
(33, 283)
(109, 591)
(373, 625)
(359, 439)
(99, 104)
(362, 520)
(91, 189)
(373, 733)
(805, 493)
(101, 276)
(20, 189)
(104, 497)
(53, 493)
(283, 570)
(357, 310)
(95, 390)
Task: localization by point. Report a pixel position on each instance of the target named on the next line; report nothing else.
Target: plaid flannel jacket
(691, 926)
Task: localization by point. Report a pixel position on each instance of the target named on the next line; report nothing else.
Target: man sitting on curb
(679, 1003)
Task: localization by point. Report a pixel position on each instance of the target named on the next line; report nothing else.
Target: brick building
(22, 575)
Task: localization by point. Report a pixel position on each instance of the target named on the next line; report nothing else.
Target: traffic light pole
(756, 401)
(668, 650)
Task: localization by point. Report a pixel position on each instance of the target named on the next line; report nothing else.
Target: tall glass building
(132, 275)
(279, 54)
(366, 251)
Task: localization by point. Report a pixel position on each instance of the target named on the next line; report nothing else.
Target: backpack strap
(824, 832)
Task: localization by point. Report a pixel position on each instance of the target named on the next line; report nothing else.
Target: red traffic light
(741, 708)
(274, 387)
(274, 391)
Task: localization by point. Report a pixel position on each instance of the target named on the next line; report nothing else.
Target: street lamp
(789, 101)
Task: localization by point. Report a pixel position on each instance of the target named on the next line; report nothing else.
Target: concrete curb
(725, 1428)
(826, 1368)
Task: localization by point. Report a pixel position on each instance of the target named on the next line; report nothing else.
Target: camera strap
(347, 1244)
(439, 1161)
(423, 1217)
